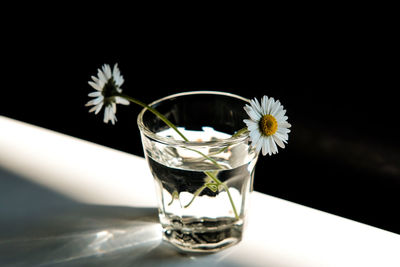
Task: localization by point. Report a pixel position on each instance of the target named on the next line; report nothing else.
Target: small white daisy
(108, 87)
(268, 125)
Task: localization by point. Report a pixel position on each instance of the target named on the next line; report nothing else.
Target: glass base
(203, 234)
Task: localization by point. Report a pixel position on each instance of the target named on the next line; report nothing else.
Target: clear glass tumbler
(202, 184)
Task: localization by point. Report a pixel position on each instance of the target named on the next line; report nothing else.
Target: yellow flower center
(268, 125)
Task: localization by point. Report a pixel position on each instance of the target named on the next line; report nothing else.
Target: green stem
(155, 112)
(170, 124)
(198, 192)
(213, 161)
(218, 182)
(241, 131)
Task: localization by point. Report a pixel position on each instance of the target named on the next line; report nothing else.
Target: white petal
(117, 75)
(247, 108)
(121, 100)
(95, 86)
(255, 136)
(256, 105)
(279, 115)
(252, 125)
(116, 71)
(283, 130)
(268, 146)
(95, 101)
(102, 77)
(107, 71)
(95, 79)
(95, 94)
(109, 115)
(250, 122)
(264, 145)
(265, 148)
(282, 136)
(120, 80)
(259, 144)
(99, 106)
(264, 102)
(253, 114)
(247, 121)
(106, 114)
(278, 141)
(269, 104)
(272, 144)
(93, 109)
(284, 125)
(275, 108)
(117, 80)
(112, 117)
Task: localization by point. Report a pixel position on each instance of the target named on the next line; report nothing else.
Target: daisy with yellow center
(268, 125)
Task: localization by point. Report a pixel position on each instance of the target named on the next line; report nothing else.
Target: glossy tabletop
(69, 202)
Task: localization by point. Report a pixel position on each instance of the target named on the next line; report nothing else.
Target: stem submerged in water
(208, 173)
(218, 182)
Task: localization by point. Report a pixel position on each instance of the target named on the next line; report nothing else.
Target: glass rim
(170, 141)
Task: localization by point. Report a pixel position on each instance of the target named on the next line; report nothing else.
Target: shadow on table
(41, 227)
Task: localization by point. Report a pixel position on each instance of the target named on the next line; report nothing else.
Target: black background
(335, 78)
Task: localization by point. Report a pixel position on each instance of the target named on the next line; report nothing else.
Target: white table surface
(69, 202)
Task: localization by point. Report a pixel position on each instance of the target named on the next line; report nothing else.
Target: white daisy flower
(268, 125)
(108, 87)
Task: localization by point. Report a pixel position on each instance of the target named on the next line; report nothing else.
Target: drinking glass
(202, 184)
